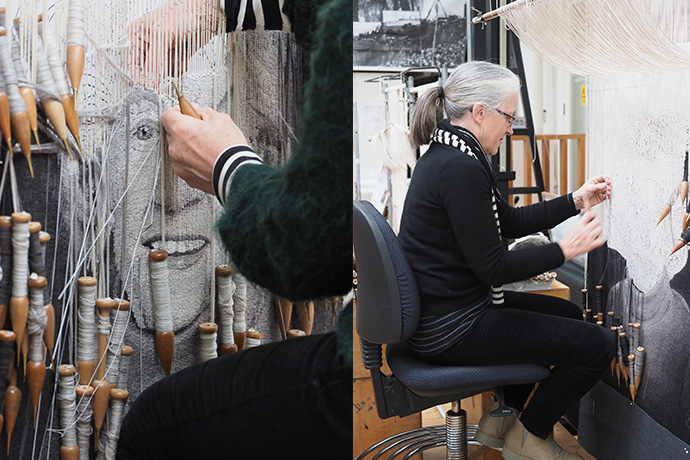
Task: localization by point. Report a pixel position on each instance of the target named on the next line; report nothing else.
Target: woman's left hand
(594, 191)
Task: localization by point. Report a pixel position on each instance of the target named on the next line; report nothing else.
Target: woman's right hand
(583, 237)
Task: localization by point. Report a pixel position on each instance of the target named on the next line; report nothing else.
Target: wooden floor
(433, 416)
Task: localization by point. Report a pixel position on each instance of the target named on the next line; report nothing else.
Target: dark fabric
(448, 230)
(287, 399)
(611, 428)
(538, 329)
(407, 286)
(290, 229)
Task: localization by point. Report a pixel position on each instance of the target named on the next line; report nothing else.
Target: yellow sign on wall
(583, 95)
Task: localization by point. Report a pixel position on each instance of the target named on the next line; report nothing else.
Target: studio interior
(603, 93)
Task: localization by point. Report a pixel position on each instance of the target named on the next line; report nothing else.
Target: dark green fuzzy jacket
(289, 229)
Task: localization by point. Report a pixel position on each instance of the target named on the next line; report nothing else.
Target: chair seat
(427, 379)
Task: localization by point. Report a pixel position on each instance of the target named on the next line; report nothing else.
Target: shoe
(520, 444)
(492, 430)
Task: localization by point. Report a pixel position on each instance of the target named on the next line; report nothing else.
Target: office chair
(388, 309)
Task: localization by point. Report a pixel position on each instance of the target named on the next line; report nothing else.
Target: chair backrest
(388, 305)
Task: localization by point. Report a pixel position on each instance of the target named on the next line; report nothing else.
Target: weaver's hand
(194, 145)
(161, 40)
(594, 191)
(583, 237)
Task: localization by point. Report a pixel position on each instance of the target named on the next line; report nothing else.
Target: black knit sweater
(449, 232)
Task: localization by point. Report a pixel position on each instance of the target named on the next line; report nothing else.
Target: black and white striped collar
(463, 140)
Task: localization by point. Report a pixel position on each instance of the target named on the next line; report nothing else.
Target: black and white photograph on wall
(398, 34)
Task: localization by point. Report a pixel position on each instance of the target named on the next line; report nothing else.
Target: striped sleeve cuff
(226, 166)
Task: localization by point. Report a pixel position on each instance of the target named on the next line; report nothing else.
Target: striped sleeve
(256, 15)
(226, 166)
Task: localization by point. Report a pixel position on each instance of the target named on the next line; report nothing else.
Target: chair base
(405, 445)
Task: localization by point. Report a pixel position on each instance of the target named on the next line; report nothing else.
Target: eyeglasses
(511, 119)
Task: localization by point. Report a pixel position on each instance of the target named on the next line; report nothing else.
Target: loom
(105, 192)
(636, 59)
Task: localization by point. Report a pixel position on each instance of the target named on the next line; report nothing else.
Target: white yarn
(123, 371)
(251, 341)
(160, 295)
(67, 402)
(36, 323)
(208, 346)
(226, 290)
(46, 87)
(84, 429)
(595, 38)
(104, 325)
(114, 423)
(240, 298)
(55, 61)
(115, 345)
(20, 259)
(11, 84)
(75, 29)
(86, 333)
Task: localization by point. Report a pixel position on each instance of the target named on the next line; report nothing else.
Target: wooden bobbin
(68, 452)
(86, 368)
(126, 350)
(284, 313)
(35, 370)
(225, 271)
(631, 386)
(638, 375)
(99, 404)
(13, 399)
(104, 306)
(304, 312)
(294, 333)
(75, 67)
(44, 237)
(56, 114)
(165, 341)
(207, 328)
(19, 306)
(21, 128)
(5, 123)
(5, 221)
(69, 110)
(185, 106)
(6, 336)
(30, 101)
(49, 333)
(34, 227)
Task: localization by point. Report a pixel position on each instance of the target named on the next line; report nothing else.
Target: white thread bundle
(55, 62)
(104, 325)
(123, 371)
(66, 398)
(240, 298)
(160, 295)
(19, 70)
(46, 87)
(253, 338)
(639, 363)
(20, 259)
(75, 29)
(84, 429)
(226, 290)
(208, 346)
(36, 323)
(115, 345)
(114, 424)
(591, 37)
(86, 333)
(17, 103)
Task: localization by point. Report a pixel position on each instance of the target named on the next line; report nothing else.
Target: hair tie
(440, 92)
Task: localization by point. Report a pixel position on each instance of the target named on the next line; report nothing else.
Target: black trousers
(538, 329)
(290, 399)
